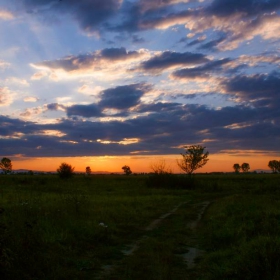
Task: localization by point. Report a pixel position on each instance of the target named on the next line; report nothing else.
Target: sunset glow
(139, 164)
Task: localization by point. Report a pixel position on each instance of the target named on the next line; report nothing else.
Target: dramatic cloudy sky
(139, 77)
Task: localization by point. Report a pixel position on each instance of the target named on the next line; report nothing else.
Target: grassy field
(79, 228)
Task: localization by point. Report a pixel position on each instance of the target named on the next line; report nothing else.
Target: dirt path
(189, 257)
(194, 252)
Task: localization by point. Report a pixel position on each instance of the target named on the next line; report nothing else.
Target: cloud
(88, 14)
(118, 98)
(55, 107)
(137, 40)
(223, 8)
(118, 54)
(255, 60)
(6, 15)
(87, 90)
(38, 75)
(6, 96)
(212, 45)
(146, 15)
(169, 59)
(16, 81)
(197, 41)
(4, 64)
(166, 20)
(157, 107)
(114, 61)
(31, 112)
(123, 97)
(205, 70)
(237, 20)
(164, 129)
(236, 28)
(88, 111)
(30, 99)
(258, 89)
(154, 5)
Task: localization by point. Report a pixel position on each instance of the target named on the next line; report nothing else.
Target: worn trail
(189, 257)
(194, 252)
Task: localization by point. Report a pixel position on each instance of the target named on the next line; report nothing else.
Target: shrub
(65, 171)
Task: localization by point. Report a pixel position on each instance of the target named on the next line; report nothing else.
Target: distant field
(71, 229)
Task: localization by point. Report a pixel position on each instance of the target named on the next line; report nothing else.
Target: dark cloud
(153, 5)
(201, 71)
(157, 107)
(140, 16)
(91, 61)
(123, 97)
(162, 130)
(88, 111)
(134, 16)
(259, 89)
(211, 45)
(70, 63)
(117, 53)
(169, 59)
(225, 8)
(162, 18)
(54, 106)
(88, 13)
(9, 126)
(137, 40)
(196, 41)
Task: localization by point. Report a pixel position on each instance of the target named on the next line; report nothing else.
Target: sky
(104, 83)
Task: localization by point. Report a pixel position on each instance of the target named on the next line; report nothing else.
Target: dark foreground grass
(240, 231)
(68, 229)
(56, 229)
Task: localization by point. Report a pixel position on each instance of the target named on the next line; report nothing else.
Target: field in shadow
(79, 228)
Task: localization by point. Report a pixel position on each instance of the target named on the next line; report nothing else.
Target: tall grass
(241, 233)
(56, 229)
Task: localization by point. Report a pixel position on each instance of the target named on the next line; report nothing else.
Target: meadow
(82, 228)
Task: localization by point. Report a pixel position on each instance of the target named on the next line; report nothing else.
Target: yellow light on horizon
(222, 162)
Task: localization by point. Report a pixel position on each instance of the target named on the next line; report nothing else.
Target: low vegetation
(73, 229)
(65, 170)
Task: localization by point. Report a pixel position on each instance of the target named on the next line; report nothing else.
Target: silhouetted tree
(194, 158)
(159, 167)
(65, 170)
(126, 170)
(6, 165)
(236, 167)
(88, 170)
(274, 165)
(245, 167)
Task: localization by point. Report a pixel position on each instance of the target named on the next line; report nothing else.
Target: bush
(65, 171)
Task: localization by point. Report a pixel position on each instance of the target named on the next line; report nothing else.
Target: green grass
(240, 231)
(50, 228)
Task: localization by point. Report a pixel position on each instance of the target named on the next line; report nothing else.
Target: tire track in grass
(189, 257)
(193, 252)
(131, 248)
